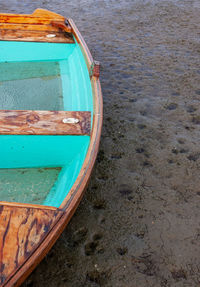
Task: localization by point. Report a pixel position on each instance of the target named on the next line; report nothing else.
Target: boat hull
(65, 211)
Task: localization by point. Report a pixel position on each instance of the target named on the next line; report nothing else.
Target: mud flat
(138, 224)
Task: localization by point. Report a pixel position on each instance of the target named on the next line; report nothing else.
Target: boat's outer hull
(75, 195)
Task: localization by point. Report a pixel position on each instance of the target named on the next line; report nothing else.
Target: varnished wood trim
(84, 48)
(88, 164)
(39, 12)
(21, 232)
(39, 16)
(22, 205)
(41, 26)
(19, 277)
(24, 19)
(61, 25)
(84, 175)
(25, 122)
(35, 36)
(29, 27)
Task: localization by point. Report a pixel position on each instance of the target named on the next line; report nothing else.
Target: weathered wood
(41, 26)
(35, 36)
(38, 13)
(24, 19)
(21, 231)
(29, 27)
(39, 16)
(61, 25)
(95, 69)
(44, 122)
(53, 26)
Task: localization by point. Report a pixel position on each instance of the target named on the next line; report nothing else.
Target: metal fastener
(70, 121)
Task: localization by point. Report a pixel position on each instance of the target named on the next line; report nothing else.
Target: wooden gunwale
(75, 195)
(92, 151)
(97, 122)
(84, 48)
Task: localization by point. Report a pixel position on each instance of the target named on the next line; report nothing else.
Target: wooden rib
(21, 231)
(43, 122)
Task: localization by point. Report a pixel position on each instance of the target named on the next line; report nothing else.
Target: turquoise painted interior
(41, 169)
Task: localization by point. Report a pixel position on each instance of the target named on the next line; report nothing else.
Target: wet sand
(138, 224)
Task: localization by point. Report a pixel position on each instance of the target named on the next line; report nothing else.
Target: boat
(51, 115)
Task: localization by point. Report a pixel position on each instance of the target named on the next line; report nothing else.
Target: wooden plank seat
(35, 36)
(41, 26)
(27, 122)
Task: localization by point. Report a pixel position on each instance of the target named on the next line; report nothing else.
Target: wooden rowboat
(50, 126)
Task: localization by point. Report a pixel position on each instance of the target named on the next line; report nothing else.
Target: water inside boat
(41, 169)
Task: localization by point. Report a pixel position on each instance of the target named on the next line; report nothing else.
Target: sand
(138, 224)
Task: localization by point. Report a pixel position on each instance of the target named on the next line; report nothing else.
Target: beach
(138, 224)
